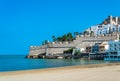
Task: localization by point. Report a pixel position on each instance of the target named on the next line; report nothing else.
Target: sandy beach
(95, 72)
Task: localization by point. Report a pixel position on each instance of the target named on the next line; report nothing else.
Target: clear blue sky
(29, 22)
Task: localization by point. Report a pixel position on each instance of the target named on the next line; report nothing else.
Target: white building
(104, 29)
(109, 25)
(113, 51)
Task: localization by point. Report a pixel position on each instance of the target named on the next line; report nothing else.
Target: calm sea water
(17, 62)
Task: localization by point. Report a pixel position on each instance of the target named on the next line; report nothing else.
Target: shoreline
(91, 72)
(60, 68)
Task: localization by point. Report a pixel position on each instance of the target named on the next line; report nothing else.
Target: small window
(110, 45)
(119, 29)
(110, 49)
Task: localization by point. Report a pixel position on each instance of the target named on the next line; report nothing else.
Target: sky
(28, 22)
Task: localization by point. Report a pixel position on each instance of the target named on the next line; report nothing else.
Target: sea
(19, 62)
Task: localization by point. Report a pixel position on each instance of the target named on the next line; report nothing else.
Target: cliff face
(59, 48)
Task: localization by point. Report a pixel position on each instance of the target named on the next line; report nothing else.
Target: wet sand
(94, 72)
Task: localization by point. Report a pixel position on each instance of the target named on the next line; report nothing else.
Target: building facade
(113, 51)
(98, 48)
(109, 25)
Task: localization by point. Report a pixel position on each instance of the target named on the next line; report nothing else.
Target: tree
(69, 37)
(86, 32)
(45, 42)
(65, 37)
(69, 51)
(59, 39)
(76, 33)
(80, 33)
(54, 38)
(77, 52)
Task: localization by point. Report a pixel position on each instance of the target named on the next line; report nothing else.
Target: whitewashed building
(113, 51)
(104, 29)
(109, 25)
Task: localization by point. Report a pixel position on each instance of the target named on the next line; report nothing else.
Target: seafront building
(107, 50)
(98, 47)
(113, 52)
(97, 51)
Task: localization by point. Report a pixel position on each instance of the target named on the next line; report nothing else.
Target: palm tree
(59, 39)
(69, 37)
(64, 38)
(76, 33)
(80, 33)
(46, 42)
(54, 38)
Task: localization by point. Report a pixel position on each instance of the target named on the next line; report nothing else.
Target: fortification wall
(57, 50)
(80, 42)
(95, 39)
(36, 50)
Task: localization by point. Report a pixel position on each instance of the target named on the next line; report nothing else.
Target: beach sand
(95, 72)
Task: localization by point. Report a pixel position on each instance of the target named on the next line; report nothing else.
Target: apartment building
(113, 51)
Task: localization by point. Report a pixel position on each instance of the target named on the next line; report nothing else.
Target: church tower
(110, 19)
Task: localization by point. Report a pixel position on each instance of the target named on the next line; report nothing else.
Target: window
(119, 29)
(110, 49)
(113, 29)
(106, 32)
(110, 45)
